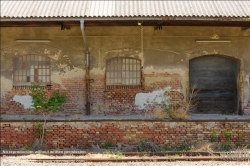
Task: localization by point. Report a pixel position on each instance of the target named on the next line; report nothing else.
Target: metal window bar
(31, 68)
(123, 71)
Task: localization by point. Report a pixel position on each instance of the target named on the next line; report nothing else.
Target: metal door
(216, 79)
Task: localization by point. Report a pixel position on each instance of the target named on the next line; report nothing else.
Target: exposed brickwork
(114, 101)
(12, 107)
(75, 91)
(78, 134)
(118, 100)
(172, 80)
(14, 136)
(121, 100)
(163, 64)
(73, 87)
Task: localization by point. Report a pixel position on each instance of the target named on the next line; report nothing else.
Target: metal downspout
(87, 78)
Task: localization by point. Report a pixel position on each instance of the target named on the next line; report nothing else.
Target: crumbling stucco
(26, 100)
(157, 96)
(57, 77)
(179, 71)
(162, 52)
(97, 71)
(150, 80)
(32, 48)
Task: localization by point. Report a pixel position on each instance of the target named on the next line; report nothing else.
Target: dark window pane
(28, 78)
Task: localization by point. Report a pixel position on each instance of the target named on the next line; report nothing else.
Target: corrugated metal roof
(128, 8)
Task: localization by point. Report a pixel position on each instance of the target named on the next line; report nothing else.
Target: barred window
(123, 71)
(31, 68)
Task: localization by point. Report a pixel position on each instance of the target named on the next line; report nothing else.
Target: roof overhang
(126, 21)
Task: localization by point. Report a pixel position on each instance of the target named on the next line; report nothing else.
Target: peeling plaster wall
(26, 100)
(157, 96)
(165, 60)
(6, 85)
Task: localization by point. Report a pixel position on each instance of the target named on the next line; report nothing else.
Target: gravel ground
(17, 161)
(6, 162)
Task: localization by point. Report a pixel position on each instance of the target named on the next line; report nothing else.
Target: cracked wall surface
(164, 61)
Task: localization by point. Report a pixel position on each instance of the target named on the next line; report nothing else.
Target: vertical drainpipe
(87, 80)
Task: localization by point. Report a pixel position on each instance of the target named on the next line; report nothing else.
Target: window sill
(123, 86)
(46, 86)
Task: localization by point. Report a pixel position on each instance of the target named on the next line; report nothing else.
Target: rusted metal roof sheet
(128, 8)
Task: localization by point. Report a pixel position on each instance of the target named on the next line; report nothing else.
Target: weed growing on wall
(39, 129)
(183, 112)
(184, 147)
(228, 135)
(240, 139)
(162, 112)
(142, 146)
(212, 136)
(176, 110)
(226, 146)
(46, 104)
(107, 145)
(26, 148)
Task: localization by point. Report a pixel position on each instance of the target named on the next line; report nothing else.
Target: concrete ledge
(82, 118)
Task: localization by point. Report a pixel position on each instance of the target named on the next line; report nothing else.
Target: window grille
(123, 71)
(31, 68)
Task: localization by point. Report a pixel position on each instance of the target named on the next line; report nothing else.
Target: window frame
(109, 86)
(14, 60)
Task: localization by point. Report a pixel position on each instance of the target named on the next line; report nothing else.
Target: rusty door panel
(216, 79)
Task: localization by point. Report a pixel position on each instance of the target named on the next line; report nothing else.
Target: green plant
(142, 146)
(39, 129)
(107, 145)
(212, 136)
(45, 102)
(248, 146)
(166, 107)
(225, 147)
(228, 135)
(167, 148)
(240, 139)
(177, 155)
(107, 152)
(26, 148)
(113, 155)
(184, 147)
(120, 154)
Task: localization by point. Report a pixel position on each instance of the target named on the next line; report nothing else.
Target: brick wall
(118, 100)
(15, 135)
(73, 87)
